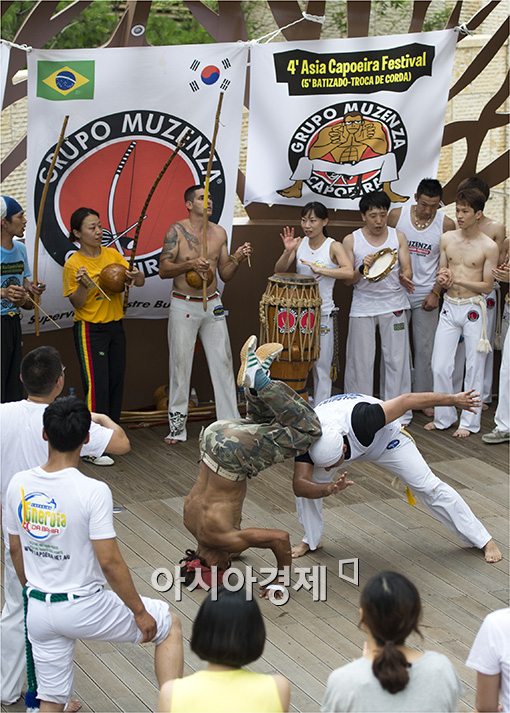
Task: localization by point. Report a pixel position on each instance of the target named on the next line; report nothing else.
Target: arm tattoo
(170, 244)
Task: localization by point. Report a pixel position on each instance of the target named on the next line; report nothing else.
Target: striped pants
(101, 350)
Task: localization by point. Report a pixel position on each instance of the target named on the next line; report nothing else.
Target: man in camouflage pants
(279, 425)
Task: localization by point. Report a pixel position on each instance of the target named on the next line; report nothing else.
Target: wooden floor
(372, 521)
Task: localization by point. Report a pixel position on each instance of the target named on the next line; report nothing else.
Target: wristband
(436, 293)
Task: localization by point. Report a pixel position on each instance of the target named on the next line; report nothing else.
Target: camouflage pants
(279, 425)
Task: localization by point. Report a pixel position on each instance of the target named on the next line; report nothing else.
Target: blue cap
(9, 207)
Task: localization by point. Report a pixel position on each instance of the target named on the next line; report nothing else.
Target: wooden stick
(96, 285)
(41, 309)
(40, 215)
(249, 261)
(206, 195)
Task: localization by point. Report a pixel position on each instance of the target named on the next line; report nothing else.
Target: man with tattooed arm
(181, 259)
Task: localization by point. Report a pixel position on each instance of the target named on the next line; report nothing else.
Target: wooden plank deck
(371, 521)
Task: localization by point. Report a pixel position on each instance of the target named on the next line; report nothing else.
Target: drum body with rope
(290, 313)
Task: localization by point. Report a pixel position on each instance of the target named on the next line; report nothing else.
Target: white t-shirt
(21, 442)
(56, 515)
(490, 653)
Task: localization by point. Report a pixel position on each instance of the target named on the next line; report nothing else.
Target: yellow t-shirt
(97, 308)
(236, 691)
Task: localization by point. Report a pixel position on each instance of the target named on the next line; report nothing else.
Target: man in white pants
(423, 224)
(319, 256)
(380, 304)
(356, 427)
(501, 432)
(63, 547)
(466, 262)
(181, 259)
(495, 231)
(21, 447)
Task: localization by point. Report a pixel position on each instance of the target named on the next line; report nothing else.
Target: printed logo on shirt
(39, 515)
(399, 326)
(341, 397)
(491, 302)
(398, 312)
(392, 444)
(420, 249)
(473, 315)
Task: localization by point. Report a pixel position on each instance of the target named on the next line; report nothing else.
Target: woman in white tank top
(319, 256)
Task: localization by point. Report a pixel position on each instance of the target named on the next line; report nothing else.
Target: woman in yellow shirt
(227, 633)
(98, 332)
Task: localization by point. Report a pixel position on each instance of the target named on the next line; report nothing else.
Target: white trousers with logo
(186, 321)
(444, 503)
(360, 357)
(456, 320)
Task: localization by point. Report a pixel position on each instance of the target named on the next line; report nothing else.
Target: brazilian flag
(59, 81)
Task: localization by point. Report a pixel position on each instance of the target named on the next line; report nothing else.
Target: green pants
(279, 425)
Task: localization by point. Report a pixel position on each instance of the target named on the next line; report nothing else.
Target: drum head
(291, 278)
(382, 265)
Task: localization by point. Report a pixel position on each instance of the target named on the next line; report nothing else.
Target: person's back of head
(475, 182)
(40, 371)
(390, 610)
(228, 631)
(66, 424)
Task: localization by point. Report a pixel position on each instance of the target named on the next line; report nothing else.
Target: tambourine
(113, 277)
(384, 261)
(195, 280)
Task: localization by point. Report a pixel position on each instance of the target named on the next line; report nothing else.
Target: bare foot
(431, 426)
(302, 549)
(170, 441)
(461, 433)
(485, 407)
(429, 412)
(73, 706)
(293, 191)
(492, 552)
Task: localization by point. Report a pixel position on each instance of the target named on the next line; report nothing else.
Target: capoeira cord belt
(396, 482)
(483, 345)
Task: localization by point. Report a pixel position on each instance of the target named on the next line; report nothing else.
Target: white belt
(483, 345)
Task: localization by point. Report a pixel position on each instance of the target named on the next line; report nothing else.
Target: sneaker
(249, 363)
(98, 460)
(267, 353)
(496, 436)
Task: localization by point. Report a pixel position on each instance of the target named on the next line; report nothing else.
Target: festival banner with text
(332, 120)
(128, 108)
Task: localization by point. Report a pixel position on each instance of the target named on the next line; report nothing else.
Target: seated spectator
(227, 633)
(391, 676)
(490, 658)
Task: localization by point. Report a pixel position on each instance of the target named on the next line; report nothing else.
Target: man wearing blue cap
(16, 291)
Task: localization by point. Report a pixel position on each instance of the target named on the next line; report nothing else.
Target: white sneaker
(98, 460)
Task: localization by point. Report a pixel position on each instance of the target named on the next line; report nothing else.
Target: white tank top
(338, 410)
(321, 257)
(373, 298)
(424, 249)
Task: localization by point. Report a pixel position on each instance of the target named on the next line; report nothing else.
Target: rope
(25, 48)
(271, 35)
(31, 700)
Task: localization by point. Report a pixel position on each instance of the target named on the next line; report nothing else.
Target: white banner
(331, 120)
(128, 108)
(5, 53)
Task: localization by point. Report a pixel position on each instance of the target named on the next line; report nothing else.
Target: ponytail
(390, 667)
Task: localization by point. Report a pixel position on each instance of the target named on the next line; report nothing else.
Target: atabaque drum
(290, 313)
(112, 278)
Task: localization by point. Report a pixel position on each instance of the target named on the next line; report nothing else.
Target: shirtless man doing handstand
(279, 424)
(466, 262)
